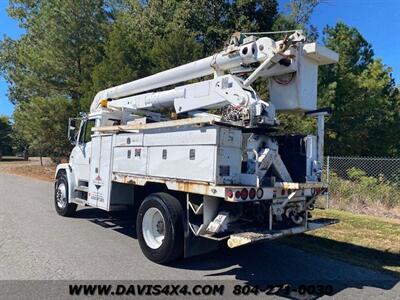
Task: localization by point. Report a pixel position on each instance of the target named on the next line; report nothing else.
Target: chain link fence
(365, 174)
(384, 169)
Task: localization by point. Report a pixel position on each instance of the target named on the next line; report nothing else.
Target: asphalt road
(36, 243)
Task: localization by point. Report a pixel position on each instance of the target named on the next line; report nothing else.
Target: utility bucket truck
(216, 170)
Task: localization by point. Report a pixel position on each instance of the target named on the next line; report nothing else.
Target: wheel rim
(61, 195)
(153, 228)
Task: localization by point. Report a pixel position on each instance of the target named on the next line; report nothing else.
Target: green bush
(361, 177)
(362, 191)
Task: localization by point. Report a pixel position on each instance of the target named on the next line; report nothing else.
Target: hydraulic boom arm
(246, 61)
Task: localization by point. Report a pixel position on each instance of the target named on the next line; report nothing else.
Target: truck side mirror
(72, 131)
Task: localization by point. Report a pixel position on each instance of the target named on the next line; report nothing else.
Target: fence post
(327, 180)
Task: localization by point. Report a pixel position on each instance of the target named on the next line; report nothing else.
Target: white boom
(274, 59)
(226, 60)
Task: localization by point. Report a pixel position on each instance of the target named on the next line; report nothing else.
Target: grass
(31, 168)
(367, 241)
(365, 194)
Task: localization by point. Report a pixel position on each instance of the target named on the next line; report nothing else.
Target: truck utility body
(201, 178)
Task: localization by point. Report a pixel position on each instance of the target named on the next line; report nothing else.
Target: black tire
(171, 210)
(69, 208)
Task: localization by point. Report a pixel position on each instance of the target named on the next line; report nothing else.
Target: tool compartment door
(100, 172)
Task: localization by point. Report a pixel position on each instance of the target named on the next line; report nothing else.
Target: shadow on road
(120, 221)
(275, 262)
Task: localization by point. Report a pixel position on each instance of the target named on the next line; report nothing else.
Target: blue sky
(7, 27)
(377, 20)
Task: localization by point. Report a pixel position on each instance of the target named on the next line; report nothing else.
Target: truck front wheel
(159, 227)
(63, 207)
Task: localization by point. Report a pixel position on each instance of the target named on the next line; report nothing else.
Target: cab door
(81, 154)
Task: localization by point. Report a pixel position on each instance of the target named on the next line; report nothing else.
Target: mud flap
(196, 245)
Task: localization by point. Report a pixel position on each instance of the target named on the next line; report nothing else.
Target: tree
(19, 144)
(174, 49)
(172, 33)
(126, 51)
(298, 17)
(42, 123)
(301, 10)
(61, 45)
(212, 22)
(362, 94)
(5, 134)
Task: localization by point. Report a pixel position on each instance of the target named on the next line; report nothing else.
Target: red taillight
(252, 193)
(243, 194)
(229, 193)
(237, 194)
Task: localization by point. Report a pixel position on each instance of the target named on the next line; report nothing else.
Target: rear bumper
(280, 191)
(243, 238)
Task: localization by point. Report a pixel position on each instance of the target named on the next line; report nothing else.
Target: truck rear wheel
(63, 207)
(159, 227)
